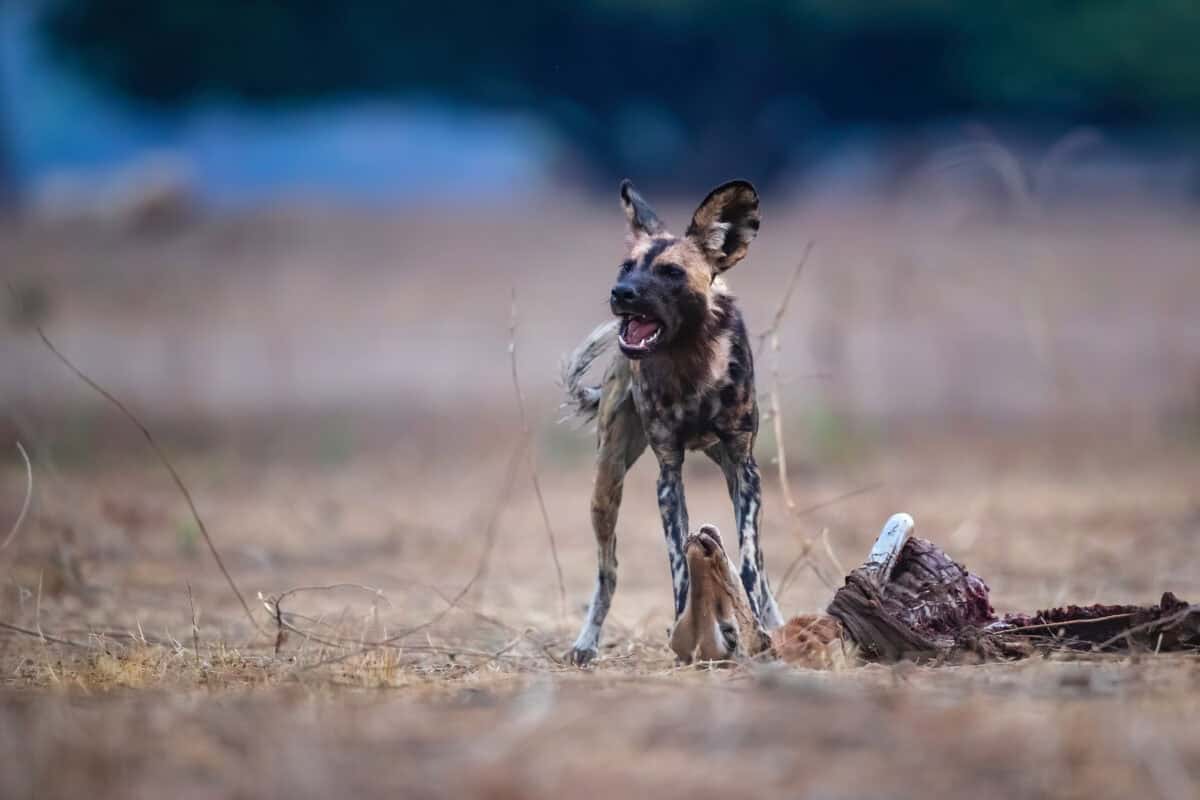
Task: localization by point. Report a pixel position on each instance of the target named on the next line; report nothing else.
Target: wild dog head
(665, 287)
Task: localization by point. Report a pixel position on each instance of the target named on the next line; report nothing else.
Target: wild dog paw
(581, 656)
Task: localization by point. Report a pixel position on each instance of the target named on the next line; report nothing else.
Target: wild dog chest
(698, 420)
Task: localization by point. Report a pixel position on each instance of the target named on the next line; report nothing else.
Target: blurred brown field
(335, 388)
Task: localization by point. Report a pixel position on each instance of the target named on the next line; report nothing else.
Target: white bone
(886, 550)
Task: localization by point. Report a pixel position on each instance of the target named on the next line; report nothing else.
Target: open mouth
(639, 334)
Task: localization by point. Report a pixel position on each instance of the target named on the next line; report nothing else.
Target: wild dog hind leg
(621, 442)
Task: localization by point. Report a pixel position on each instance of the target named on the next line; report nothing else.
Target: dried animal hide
(932, 608)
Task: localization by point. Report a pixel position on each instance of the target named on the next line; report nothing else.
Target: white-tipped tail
(583, 400)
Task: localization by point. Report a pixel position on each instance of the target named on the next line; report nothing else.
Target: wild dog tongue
(640, 328)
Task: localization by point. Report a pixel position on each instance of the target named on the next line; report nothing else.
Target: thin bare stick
(490, 536)
(772, 334)
(37, 606)
(1169, 621)
(493, 528)
(272, 602)
(777, 428)
(329, 587)
(195, 624)
(533, 472)
(109, 633)
(806, 547)
(45, 637)
(274, 606)
(785, 580)
(829, 552)
(1068, 622)
(488, 618)
(803, 560)
(162, 457)
(28, 497)
(870, 487)
(787, 297)
(770, 337)
(812, 565)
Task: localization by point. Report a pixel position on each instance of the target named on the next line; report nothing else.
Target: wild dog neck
(698, 358)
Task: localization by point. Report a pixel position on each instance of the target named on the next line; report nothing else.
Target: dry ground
(353, 423)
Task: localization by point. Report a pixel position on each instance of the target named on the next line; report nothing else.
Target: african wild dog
(684, 380)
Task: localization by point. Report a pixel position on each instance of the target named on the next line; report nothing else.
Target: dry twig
(45, 637)
(195, 624)
(1166, 622)
(490, 535)
(28, 497)
(533, 472)
(162, 457)
(770, 337)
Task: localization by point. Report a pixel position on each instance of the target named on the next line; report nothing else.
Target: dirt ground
(350, 425)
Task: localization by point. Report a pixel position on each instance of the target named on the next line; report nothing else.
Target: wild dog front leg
(746, 492)
(673, 509)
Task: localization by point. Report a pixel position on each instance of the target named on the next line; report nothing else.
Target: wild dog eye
(673, 271)
(626, 266)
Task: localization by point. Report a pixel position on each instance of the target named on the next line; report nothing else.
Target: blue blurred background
(233, 208)
(371, 102)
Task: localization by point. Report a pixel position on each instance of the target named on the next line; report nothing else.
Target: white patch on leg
(749, 533)
(771, 618)
(678, 574)
(589, 635)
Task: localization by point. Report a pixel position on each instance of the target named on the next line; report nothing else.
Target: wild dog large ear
(725, 223)
(642, 219)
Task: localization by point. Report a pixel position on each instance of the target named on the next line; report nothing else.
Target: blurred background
(289, 236)
(1027, 174)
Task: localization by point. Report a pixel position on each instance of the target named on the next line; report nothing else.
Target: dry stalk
(195, 625)
(773, 328)
(140, 637)
(274, 606)
(829, 552)
(45, 637)
(162, 457)
(533, 471)
(328, 587)
(1069, 622)
(28, 497)
(790, 569)
(37, 605)
(1167, 621)
(870, 487)
(770, 337)
(490, 535)
(772, 334)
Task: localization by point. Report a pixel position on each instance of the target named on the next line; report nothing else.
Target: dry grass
(168, 690)
(478, 704)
